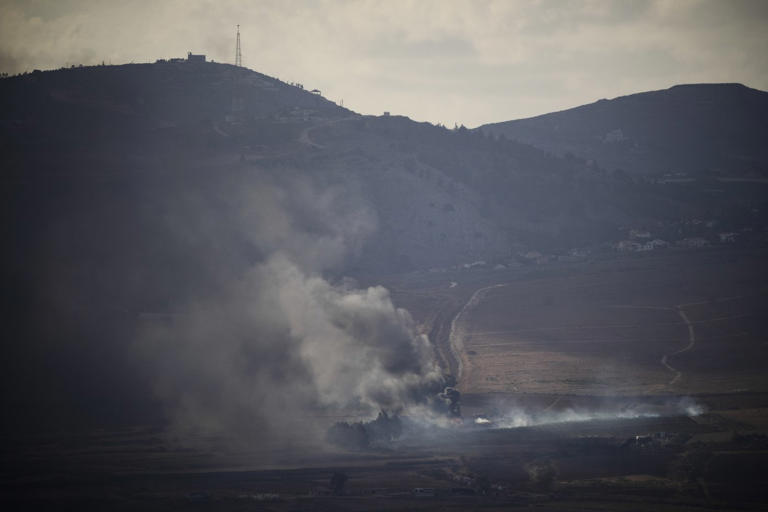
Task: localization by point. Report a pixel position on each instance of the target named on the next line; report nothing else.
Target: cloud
(465, 61)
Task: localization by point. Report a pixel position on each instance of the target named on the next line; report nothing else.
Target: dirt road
(457, 334)
(689, 346)
(679, 309)
(305, 137)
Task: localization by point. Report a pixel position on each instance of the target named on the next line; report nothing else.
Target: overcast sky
(470, 62)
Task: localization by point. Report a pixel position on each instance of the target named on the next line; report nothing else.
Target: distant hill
(155, 135)
(698, 129)
(167, 130)
(153, 107)
(129, 190)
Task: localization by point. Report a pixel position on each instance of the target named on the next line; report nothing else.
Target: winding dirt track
(689, 346)
(306, 138)
(456, 354)
(456, 334)
(691, 337)
(455, 357)
(680, 310)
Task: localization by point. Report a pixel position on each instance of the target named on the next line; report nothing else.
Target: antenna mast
(238, 54)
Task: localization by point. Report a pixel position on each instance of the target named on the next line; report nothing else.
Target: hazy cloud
(466, 61)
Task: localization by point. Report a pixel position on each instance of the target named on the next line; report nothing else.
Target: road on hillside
(305, 137)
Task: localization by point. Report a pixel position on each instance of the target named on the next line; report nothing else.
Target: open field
(679, 323)
(583, 342)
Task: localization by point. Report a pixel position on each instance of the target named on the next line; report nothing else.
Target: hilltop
(686, 130)
(132, 105)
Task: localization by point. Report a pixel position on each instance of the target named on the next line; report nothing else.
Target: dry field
(587, 336)
(679, 323)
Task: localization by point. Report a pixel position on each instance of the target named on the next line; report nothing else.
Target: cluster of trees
(361, 435)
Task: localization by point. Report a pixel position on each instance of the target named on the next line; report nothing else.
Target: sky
(445, 61)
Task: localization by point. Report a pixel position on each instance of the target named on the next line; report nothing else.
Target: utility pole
(238, 54)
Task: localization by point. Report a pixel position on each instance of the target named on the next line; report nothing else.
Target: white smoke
(519, 417)
(278, 344)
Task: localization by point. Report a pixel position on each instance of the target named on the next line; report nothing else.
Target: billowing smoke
(278, 344)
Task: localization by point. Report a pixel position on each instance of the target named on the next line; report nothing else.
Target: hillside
(165, 131)
(686, 130)
(132, 190)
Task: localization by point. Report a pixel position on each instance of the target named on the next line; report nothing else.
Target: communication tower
(238, 54)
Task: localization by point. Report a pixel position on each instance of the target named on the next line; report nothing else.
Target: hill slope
(132, 190)
(693, 129)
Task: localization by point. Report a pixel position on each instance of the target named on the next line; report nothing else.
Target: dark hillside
(700, 129)
(107, 181)
(528, 197)
(164, 105)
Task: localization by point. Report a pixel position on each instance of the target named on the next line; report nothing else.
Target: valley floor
(656, 361)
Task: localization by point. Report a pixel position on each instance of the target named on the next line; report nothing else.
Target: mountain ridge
(687, 128)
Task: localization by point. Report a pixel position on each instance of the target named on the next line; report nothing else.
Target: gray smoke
(278, 344)
(516, 417)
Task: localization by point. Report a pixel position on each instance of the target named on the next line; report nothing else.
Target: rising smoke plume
(276, 344)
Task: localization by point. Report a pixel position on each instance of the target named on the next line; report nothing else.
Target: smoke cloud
(516, 417)
(279, 344)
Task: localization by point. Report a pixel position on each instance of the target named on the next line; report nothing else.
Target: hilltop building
(191, 57)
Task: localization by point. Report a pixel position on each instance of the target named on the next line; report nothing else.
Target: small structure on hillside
(191, 57)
